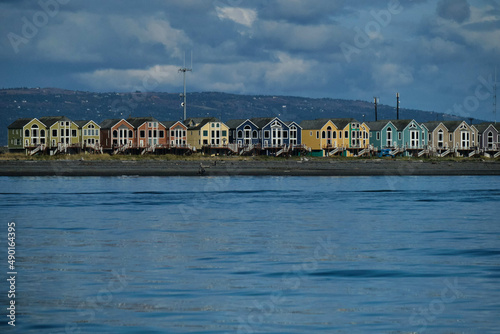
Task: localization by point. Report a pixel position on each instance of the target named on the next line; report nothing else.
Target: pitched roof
(378, 125)
(234, 123)
(19, 123)
(82, 123)
(108, 123)
(431, 126)
(483, 126)
(452, 125)
(315, 124)
(342, 122)
(199, 122)
(138, 121)
(401, 124)
(262, 121)
(51, 120)
(169, 124)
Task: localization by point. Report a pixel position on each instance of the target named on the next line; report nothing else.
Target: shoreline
(380, 167)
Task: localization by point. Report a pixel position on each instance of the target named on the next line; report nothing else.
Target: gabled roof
(341, 123)
(452, 125)
(401, 124)
(138, 121)
(109, 123)
(484, 126)
(263, 121)
(378, 125)
(169, 124)
(200, 122)
(315, 124)
(82, 123)
(234, 123)
(292, 123)
(19, 123)
(51, 120)
(431, 126)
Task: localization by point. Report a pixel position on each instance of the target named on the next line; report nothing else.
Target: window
(142, 133)
(42, 133)
(218, 125)
(150, 125)
(162, 134)
(334, 134)
(340, 134)
(346, 134)
(266, 134)
(285, 134)
(172, 133)
(130, 134)
(150, 133)
(399, 135)
(85, 132)
(310, 133)
(451, 137)
(240, 134)
(317, 134)
(378, 135)
(62, 132)
(155, 133)
(255, 134)
(67, 123)
(224, 133)
(73, 133)
(54, 133)
(323, 134)
(205, 133)
(62, 123)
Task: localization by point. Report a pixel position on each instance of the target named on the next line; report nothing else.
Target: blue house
(243, 132)
(295, 134)
(274, 132)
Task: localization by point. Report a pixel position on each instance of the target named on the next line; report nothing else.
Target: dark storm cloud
(288, 47)
(456, 10)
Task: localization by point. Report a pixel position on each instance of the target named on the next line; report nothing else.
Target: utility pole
(495, 96)
(397, 107)
(184, 70)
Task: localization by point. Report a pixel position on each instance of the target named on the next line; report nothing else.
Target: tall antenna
(397, 107)
(495, 96)
(376, 101)
(184, 70)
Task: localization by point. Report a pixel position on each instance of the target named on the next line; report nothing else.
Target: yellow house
(89, 133)
(26, 133)
(61, 131)
(209, 132)
(353, 136)
(321, 135)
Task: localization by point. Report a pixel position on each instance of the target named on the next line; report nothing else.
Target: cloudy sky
(440, 55)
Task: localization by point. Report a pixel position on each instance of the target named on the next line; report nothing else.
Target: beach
(373, 167)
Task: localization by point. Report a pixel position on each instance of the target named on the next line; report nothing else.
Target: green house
(26, 133)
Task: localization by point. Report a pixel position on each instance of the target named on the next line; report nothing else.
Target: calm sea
(253, 254)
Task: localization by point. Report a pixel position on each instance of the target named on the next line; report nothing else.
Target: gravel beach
(255, 168)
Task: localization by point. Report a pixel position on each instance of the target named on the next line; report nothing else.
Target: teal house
(405, 136)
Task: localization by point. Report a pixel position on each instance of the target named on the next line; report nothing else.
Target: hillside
(38, 102)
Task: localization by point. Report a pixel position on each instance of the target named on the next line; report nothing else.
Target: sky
(440, 55)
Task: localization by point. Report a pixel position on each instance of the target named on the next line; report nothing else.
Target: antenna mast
(376, 101)
(184, 70)
(397, 107)
(495, 96)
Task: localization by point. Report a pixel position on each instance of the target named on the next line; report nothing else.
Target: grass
(200, 157)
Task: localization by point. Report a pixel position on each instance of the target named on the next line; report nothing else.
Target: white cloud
(129, 80)
(243, 16)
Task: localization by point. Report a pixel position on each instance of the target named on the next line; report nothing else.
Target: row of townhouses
(271, 136)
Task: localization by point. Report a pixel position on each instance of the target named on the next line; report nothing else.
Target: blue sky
(439, 55)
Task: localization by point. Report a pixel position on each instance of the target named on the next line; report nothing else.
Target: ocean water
(253, 254)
